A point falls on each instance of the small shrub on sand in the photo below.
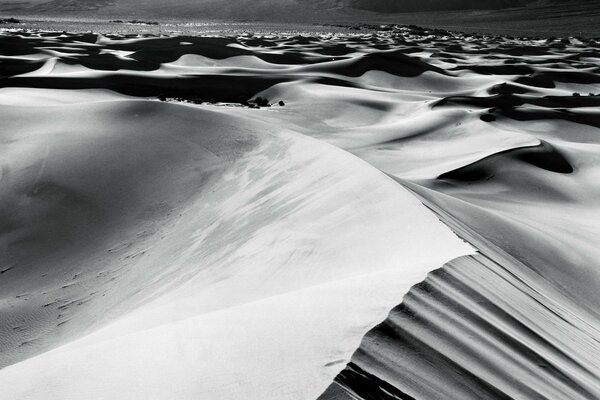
(262, 102)
(9, 21)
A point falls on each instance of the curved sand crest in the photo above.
(526, 308)
(511, 169)
(466, 332)
(509, 161)
(204, 242)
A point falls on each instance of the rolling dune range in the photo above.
(148, 202)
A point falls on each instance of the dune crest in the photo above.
(202, 231)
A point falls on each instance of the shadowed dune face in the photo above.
(543, 156)
(433, 344)
(498, 136)
(399, 53)
(83, 198)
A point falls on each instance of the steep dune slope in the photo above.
(85, 201)
(186, 240)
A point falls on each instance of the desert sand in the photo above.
(188, 217)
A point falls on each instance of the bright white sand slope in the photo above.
(210, 256)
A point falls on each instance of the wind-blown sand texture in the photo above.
(164, 237)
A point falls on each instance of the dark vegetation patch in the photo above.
(135, 22)
(220, 88)
(256, 102)
(9, 21)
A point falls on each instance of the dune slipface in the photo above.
(195, 217)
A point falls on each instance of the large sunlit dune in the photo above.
(189, 239)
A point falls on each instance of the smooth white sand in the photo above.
(267, 270)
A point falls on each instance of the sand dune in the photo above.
(243, 233)
(159, 218)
